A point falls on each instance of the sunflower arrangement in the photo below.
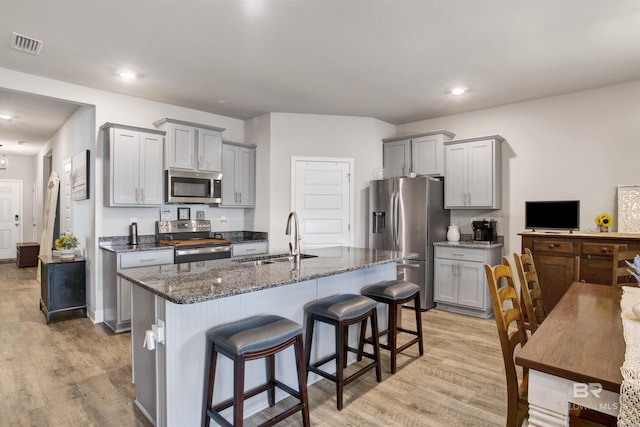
(66, 241)
(604, 221)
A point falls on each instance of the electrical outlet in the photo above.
(133, 219)
(223, 219)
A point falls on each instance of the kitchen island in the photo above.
(183, 301)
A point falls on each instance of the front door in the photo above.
(322, 198)
(10, 217)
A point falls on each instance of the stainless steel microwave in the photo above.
(193, 187)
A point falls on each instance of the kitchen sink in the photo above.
(286, 258)
(271, 259)
(259, 261)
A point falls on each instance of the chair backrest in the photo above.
(620, 269)
(505, 318)
(530, 291)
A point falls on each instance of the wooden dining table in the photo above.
(574, 357)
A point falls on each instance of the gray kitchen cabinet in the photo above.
(238, 174)
(473, 177)
(249, 248)
(133, 166)
(192, 146)
(460, 283)
(117, 292)
(421, 154)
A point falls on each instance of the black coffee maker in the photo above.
(485, 230)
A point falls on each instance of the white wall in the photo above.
(115, 108)
(312, 135)
(578, 146)
(21, 169)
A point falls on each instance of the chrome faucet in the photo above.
(294, 251)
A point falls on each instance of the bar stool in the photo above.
(250, 339)
(394, 293)
(342, 311)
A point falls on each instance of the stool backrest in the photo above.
(620, 270)
(530, 291)
(506, 317)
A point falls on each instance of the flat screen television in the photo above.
(552, 215)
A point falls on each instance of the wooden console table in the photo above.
(62, 285)
(555, 254)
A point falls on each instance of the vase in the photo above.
(603, 228)
(67, 254)
(453, 234)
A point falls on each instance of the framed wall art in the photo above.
(80, 175)
(629, 208)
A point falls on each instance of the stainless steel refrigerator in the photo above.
(407, 214)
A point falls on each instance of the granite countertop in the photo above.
(125, 247)
(206, 280)
(119, 244)
(470, 244)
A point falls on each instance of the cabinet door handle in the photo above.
(142, 195)
(136, 196)
(240, 196)
(604, 250)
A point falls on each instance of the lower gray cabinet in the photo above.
(460, 283)
(249, 248)
(117, 292)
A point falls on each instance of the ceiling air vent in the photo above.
(26, 44)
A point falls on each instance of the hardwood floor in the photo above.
(75, 373)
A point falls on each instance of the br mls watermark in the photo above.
(591, 392)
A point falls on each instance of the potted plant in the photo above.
(67, 244)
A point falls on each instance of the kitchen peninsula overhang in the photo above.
(207, 280)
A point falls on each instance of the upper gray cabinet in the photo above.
(421, 154)
(473, 173)
(133, 166)
(192, 146)
(238, 174)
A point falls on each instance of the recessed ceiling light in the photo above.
(222, 101)
(458, 90)
(127, 75)
(6, 116)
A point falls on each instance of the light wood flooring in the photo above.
(75, 373)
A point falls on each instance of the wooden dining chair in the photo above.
(620, 270)
(506, 317)
(530, 291)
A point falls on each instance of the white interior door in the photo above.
(10, 217)
(322, 198)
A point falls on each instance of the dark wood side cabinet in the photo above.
(62, 285)
(27, 254)
(555, 257)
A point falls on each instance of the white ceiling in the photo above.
(393, 60)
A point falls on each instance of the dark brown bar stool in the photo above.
(394, 293)
(341, 311)
(250, 339)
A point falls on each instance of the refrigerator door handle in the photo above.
(393, 219)
(396, 219)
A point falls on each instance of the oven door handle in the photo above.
(198, 251)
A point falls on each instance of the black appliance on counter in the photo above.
(191, 240)
(484, 230)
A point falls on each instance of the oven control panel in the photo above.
(181, 226)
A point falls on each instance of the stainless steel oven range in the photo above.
(191, 240)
